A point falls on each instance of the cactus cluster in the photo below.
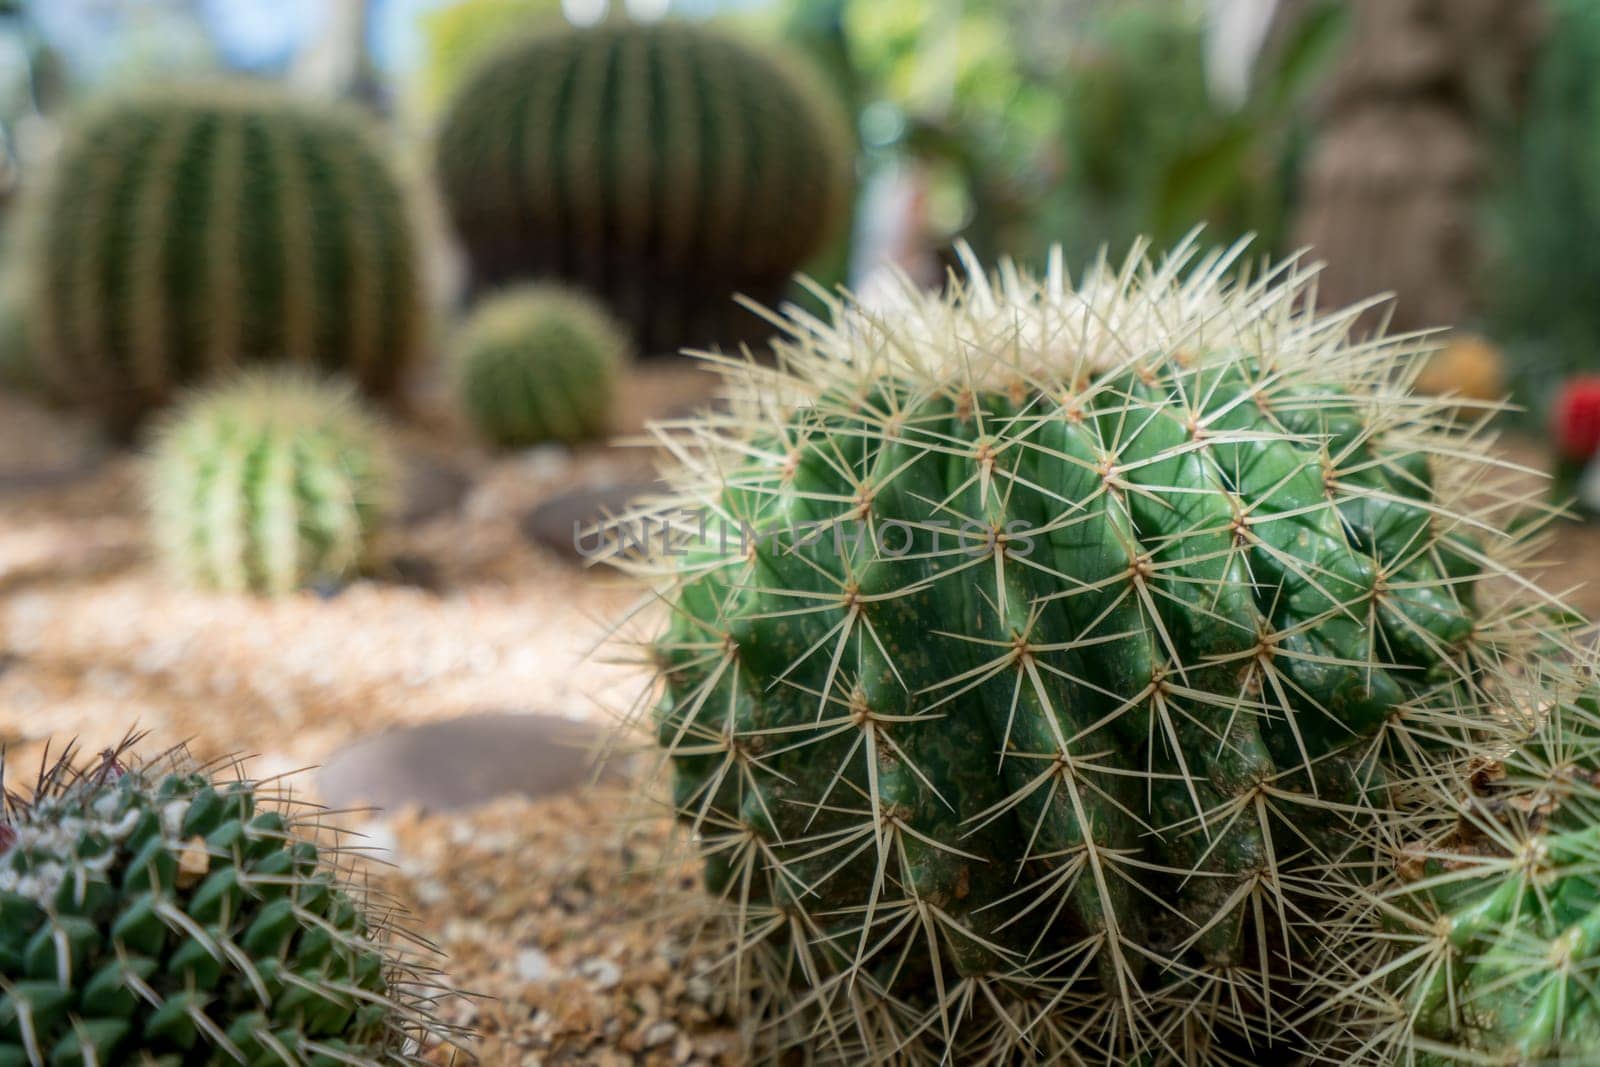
(269, 483)
(538, 363)
(152, 913)
(1047, 661)
(189, 230)
(663, 167)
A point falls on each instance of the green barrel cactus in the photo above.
(271, 483)
(1044, 660)
(154, 915)
(186, 231)
(538, 364)
(664, 167)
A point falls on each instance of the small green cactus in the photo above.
(189, 230)
(664, 167)
(540, 364)
(268, 484)
(1045, 660)
(152, 914)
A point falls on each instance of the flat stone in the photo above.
(559, 522)
(462, 762)
(432, 487)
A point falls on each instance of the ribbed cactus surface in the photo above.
(155, 916)
(268, 484)
(188, 231)
(664, 167)
(538, 364)
(1042, 660)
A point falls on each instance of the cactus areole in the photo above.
(1038, 653)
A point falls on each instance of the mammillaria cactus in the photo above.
(189, 230)
(540, 364)
(665, 167)
(156, 915)
(1043, 659)
(268, 484)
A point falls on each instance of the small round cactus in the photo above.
(189, 230)
(540, 364)
(153, 914)
(268, 484)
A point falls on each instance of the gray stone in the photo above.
(463, 762)
(432, 487)
(556, 522)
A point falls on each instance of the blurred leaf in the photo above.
(1200, 175)
(1305, 56)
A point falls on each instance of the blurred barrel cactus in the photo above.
(189, 230)
(538, 363)
(155, 915)
(1046, 662)
(268, 484)
(664, 167)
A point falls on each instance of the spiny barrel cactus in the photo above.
(1043, 659)
(155, 915)
(187, 231)
(540, 364)
(268, 484)
(665, 167)
(1484, 946)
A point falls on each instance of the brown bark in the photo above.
(1390, 198)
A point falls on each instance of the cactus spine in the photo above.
(1052, 654)
(153, 915)
(268, 484)
(540, 364)
(663, 167)
(187, 231)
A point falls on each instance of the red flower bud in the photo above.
(1576, 417)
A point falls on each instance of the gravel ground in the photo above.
(557, 924)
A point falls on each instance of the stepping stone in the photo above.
(463, 762)
(431, 487)
(558, 522)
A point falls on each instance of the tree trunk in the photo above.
(1390, 199)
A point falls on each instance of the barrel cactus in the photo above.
(156, 915)
(540, 364)
(1045, 660)
(186, 231)
(268, 484)
(664, 167)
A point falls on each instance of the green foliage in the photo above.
(268, 484)
(540, 364)
(1055, 658)
(154, 915)
(1545, 268)
(458, 35)
(187, 231)
(18, 369)
(663, 167)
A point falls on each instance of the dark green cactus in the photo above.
(187, 231)
(540, 364)
(663, 167)
(153, 915)
(268, 484)
(1043, 661)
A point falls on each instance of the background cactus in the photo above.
(664, 167)
(1051, 656)
(540, 364)
(186, 231)
(268, 484)
(155, 915)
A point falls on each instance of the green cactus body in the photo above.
(187, 231)
(268, 484)
(154, 916)
(664, 167)
(540, 364)
(1050, 654)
